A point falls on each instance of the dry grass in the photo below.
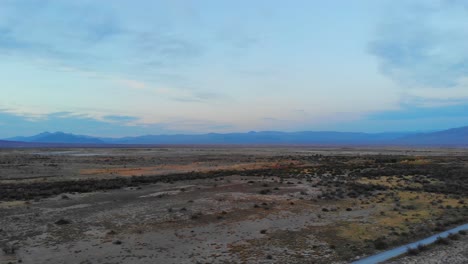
(356, 231)
(181, 168)
(10, 204)
(417, 161)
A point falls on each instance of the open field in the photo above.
(225, 205)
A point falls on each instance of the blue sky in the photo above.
(115, 68)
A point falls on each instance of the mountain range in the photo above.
(451, 137)
(58, 137)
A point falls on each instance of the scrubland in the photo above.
(225, 204)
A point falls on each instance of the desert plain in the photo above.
(229, 204)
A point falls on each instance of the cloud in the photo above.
(89, 35)
(136, 47)
(237, 41)
(14, 124)
(411, 112)
(197, 126)
(173, 93)
(121, 119)
(133, 84)
(196, 96)
(162, 49)
(423, 43)
(54, 29)
(24, 125)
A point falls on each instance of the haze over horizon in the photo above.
(123, 68)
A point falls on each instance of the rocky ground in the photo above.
(455, 253)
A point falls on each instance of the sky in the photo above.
(126, 68)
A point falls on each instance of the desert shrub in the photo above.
(9, 249)
(380, 244)
(442, 241)
(412, 251)
(421, 247)
(196, 216)
(453, 236)
(63, 222)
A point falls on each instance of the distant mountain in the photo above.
(265, 137)
(59, 137)
(12, 144)
(450, 137)
(20, 144)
